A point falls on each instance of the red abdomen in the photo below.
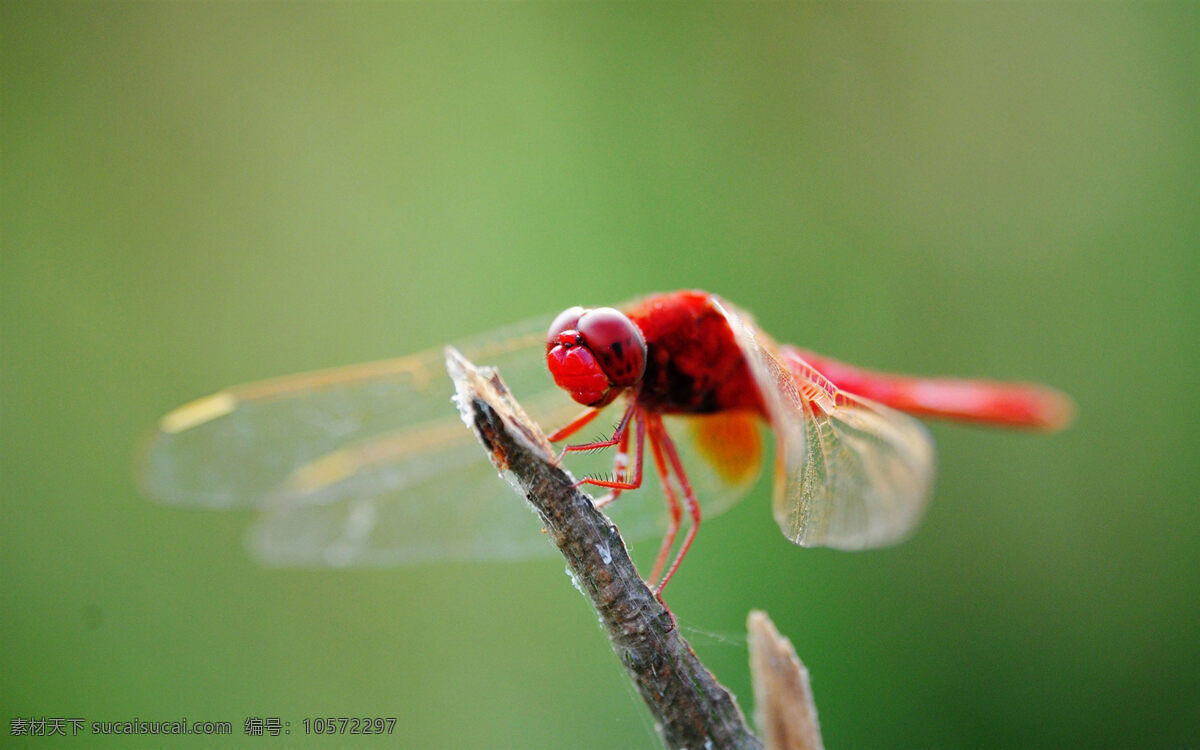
(693, 362)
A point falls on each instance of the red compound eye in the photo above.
(616, 342)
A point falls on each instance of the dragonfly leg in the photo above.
(620, 480)
(574, 426)
(622, 426)
(674, 509)
(659, 435)
(620, 469)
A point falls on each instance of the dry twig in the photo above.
(691, 709)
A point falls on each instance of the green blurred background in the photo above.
(196, 195)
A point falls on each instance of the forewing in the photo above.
(234, 448)
(849, 473)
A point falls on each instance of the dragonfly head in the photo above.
(595, 354)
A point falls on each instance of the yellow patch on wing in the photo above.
(731, 442)
(198, 412)
(412, 367)
(342, 464)
(325, 471)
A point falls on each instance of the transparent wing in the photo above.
(371, 465)
(390, 505)
(233, 448)
(850, 473)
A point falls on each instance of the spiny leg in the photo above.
(619, 438)
(574, 426)
(621, 465)
(637, 416)
(674, 509)
(658, 434)
(622, 426)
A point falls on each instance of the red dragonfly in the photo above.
(366, 465)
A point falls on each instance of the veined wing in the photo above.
(234, 448)
(850, 473)
(383, 503)
(371, 465)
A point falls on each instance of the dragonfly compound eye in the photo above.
(616, 343)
